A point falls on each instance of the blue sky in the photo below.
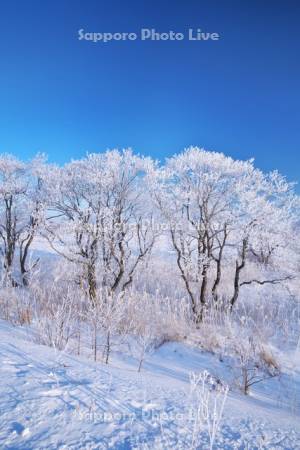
(239, 95)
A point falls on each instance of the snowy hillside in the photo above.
(55, 400)
(148, 306)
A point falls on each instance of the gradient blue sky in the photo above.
(240, 95)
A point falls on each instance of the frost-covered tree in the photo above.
(221, 212)
(21, 211)
(96, 218)
(262, 239)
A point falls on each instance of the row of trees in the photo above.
(225, 223)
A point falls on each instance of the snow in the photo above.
(56, 400)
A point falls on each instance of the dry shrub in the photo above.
(16, 306)
(268, 358)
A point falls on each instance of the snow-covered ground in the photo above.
(55, 400)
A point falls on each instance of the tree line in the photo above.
(223, 223)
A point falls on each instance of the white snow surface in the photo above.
(56, 400)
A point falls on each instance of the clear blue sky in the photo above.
(240, 95)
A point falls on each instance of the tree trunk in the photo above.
(218, 261)
(92, 285)
(238, 268)
(95, 342)
(107, 347)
